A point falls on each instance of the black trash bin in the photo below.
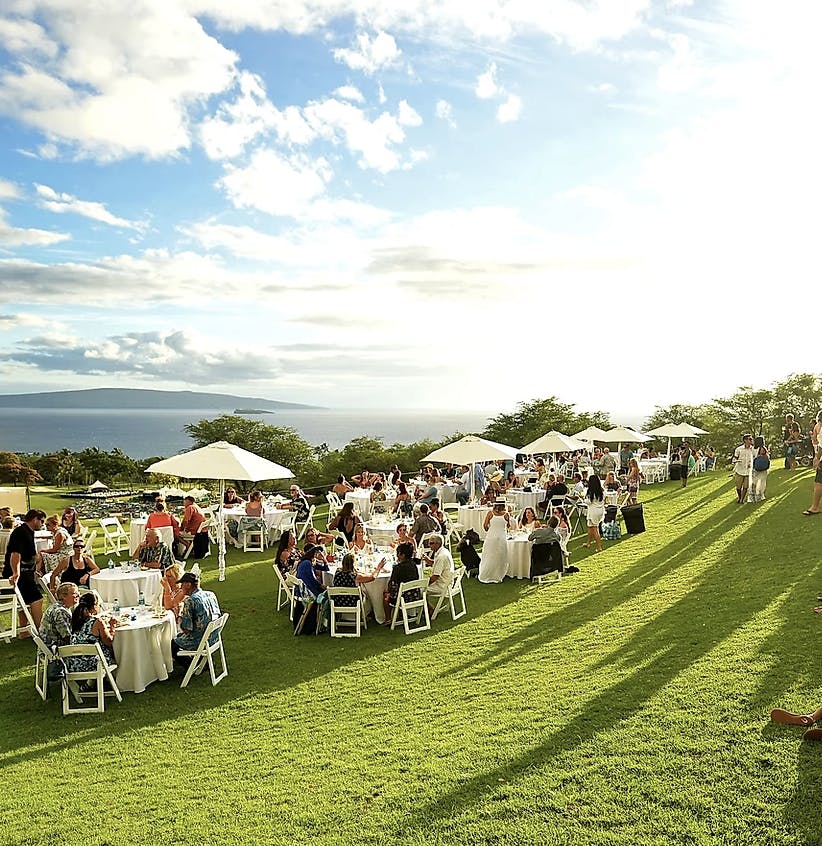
(634, 519)
(675, 472)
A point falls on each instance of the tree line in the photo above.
(760, 411)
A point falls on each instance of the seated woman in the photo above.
(511, 481)
(377, 492)
(347, 576)
(173, 594)
(231, 500)
(55, 627)
(362, 479)
(404, 536)
(308, 569)
(528, 521)
(161, 517)
(612, 484)
(405, 570)
(76, 570)
(287, 555)
(70, 521)
(342, 487)
(88, 627)
(346, 521)
(60, 548)
(403, 503)
(254, 506)
(360, 542)
(394, 476)
(317, 537)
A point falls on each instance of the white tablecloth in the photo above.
(143, 649)
(447, 492)
(371, 591)
(115, 584)
(525, 499)
(43, 540)
(519, 557)
(272, 517)
(473, 518)
(137, 531)
(383, 533)
(361, 496)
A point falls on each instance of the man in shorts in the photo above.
(817, 484)
(20, 562)
(743, 463)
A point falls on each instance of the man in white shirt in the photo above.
(743, 463)
(442, 573)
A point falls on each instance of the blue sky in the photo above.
(417, 204)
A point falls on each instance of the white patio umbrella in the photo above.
(676, 430)
(591, 434)
(470, 450)
(553, 442)
(222, 461)
(621, 434)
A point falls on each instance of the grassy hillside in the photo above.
(625, 705)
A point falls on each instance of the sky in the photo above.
(434, 204)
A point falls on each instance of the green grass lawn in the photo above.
(625, 705)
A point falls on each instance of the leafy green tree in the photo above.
(677, 413)
(280, 444)
(16, 470)
(535, 418)
(747, 410)
(800, 395)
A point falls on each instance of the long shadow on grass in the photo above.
(724, 599)
(632, 582)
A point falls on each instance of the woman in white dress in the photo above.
(596, 510)
(494, 559)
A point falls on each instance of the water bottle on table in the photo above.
(142, 600)
(116, 605)
(110, 564)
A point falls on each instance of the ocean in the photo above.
(147, 432)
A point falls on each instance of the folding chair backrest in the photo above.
(44, 584)
(25, 609)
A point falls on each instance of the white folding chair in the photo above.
(382, 506)
(334, 505)
(447, 598)
(297, 590)
(88, 540)
(285, 591)
(286, 523)
(309, 521)
(44, 584)
(346, 615)
(195, 568)
(253, 535)
(102, 671)
(45, 654)
(30, 626)
(412, 610)
(204, 654)
(8, 604)
(114, 535)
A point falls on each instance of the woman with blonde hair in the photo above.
(60, 549)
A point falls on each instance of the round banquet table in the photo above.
(383, 534)
(272, 517)
(137, 531)
(519, 556)
(114, 584)
(473, 517)
(526, 499)
(447, 492)
(362, 497)
(142, 648)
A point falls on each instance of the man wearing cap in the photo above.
(153, 553)
(743, 464)
(200, 607)
(20, 561)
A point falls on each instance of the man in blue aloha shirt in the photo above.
(199, 608)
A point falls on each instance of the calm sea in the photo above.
(145, 433)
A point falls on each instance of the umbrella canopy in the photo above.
(220, 460)
(677, 430)
(471, 449)
(592, 433)
(621, 434)
(553, 442)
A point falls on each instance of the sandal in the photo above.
(808, 513)
(788, 718)
(812, 734)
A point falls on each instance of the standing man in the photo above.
(193, 518)
(199, 608)
(20, 561)
(743, 465)
(684, 458)
(790, 439)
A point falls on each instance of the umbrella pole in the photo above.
(669, 450)
(221, 533)
(473, 471)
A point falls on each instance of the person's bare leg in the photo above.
(817, 498)
(598, 539)
(780, 715)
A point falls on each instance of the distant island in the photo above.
(125, 398)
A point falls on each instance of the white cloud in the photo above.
(61, 203)
(370, 54)
(9, 191)
(510, 110)
(445, 111)
(127, 93)
(350, 92)
(407, 116)
(24, 37)
(12, 236)
(276, 184)
(18, 321)
(487, 87)
(603, 88)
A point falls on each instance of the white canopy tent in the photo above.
(97, 487)
(470, 450)
(220, 460)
